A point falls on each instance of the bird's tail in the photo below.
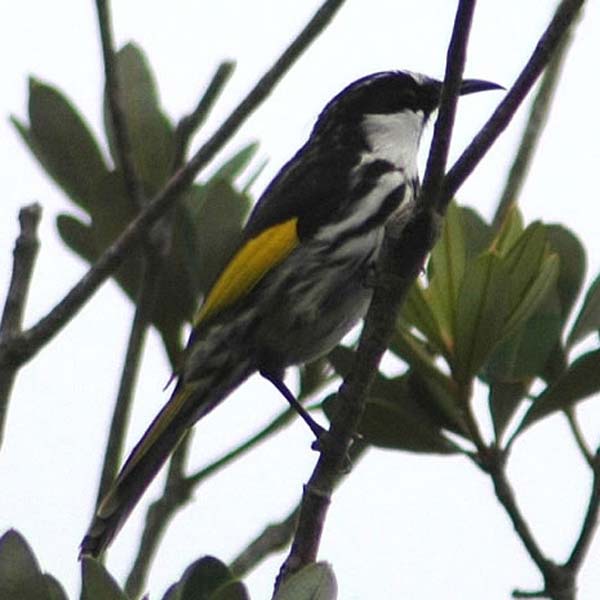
(188, 403)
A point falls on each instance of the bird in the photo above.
(298, 281)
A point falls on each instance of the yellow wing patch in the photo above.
(249, 265)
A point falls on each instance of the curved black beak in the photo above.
(471, 86)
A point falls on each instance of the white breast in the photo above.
(395, 137)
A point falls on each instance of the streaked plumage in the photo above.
(298, 281)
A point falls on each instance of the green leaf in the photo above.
(203, 578)
(233, 167)
(55, 590)
(478, 234)
(579, 381)
(482, 309)
(78, 236)
(97, 582)
(418, 311)
(588, 319)
(62, 143)
(447, 266)
(510, 231)
(235, 590)
(20, 575)
(218, 212)
(150, 132)
(572, 265)
(504, 399)
(314, 582)
(394, 415)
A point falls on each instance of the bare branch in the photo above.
(29, 342)
(564, 16)
(189, 124)
(24, 255)
(402, 257)
(538, 115)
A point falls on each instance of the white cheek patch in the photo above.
(395, 137)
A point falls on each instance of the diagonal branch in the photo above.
(29, 342)
(24, 255)
(402, 257)
(565, 15)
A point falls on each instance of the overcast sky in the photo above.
(403, 525)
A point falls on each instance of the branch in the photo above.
(189, 124)
(29, 342)
(538, 115)
(115, 104)
(565, 15)
(403, 255)
(24, 255)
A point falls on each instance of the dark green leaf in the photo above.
(97, 582)
(394, 415)
(510, 231)
(20, 575)
(203, 578)
(218, 212)
(447, 266)
(234, 590)
(482, 310)
(63, 143)
(478, 234)
(588, 319)
(78, 236)
(229, 170)
(580, 380)
(572, 265)
(150, 132)
(314, 582)
(55, 590)
(504, 399)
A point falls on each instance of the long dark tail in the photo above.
(187, 404)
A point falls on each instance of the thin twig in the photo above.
(24, 255)
(131, 365)
(401, 260)
(277, 536)
(590, 523)
(440, 145)
(579, 438)
(538, 115)
(564, 16)
(29, 342)
(189, 124)
(124, 150)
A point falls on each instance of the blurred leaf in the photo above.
(580, 380)
(150, 132)
(394, 416)
(20, 575)
(588, 319)
(203, 578)
(446, 268)
(417, 311)
(232, 168)
(482, 309)
(55, 590)
(504, 399)
(97, 582)
(218, 212)
(478, 234)
(234, 590)
(572, 265)
(510, 231)
(78, 236)
(314, 582)
(62, 142)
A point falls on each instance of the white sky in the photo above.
(402, 525)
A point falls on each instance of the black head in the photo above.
(390, 92)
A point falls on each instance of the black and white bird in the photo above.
(297, 282)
